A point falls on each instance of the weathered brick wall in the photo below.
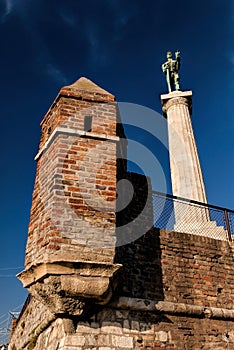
(197, 270)
(179, 267)
(71, 106)
(136, 215)
(65, 214)
(142, 267)
(192, 278)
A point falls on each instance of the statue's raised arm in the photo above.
(171, 69)
(177, 56)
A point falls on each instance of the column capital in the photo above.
(176, 98)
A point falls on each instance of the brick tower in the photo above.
(71, 238)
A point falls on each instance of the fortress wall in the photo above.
(177, 293)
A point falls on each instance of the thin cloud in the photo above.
(68, 19)
(98, 52)
(56, 74)
(9, 7)
(99, 49)
(122, 16)
(67, 14)
(14, 6)
(44, 58)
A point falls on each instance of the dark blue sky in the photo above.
(120, 45)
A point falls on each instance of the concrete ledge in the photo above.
(178, 93)
(82, 268)
(74, 132)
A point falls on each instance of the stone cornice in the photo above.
(69, 287)
(176, 98)
(175, 101)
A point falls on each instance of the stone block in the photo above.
(162, 336)
(122, 314)
(83, 328)
(75, 340)
(135, 326)
(104, 339)
(91, 339)
(111, 327)
(126, 326)
(146, 328)
(122, 341)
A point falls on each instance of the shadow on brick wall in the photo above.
(138, 244)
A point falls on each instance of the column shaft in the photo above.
(186, 175)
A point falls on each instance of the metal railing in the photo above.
(189, 216)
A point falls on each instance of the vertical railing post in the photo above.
(228, 225)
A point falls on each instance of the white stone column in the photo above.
(186, 174)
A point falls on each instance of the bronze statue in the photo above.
(171, 69)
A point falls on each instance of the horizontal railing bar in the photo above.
(191, 201)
